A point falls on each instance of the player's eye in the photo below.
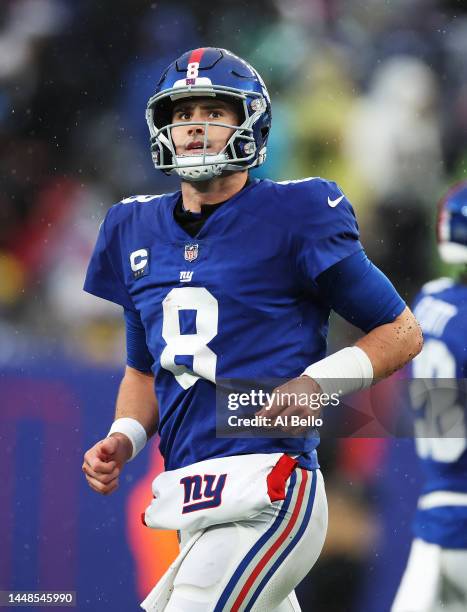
(215, 114)
(182, 115)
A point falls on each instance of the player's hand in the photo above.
(104, 461)
(290, 399)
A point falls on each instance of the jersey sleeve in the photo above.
(138, 354)
(327, 227)
(357, 290)
(104, 277)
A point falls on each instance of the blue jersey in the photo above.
(441, 518)
(239, 301)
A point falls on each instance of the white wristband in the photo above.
(346, 371)
(132, 430)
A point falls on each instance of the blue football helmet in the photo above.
(452, 225)
(210, 72)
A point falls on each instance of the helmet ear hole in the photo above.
(264, 132)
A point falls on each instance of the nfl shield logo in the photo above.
(191, 252)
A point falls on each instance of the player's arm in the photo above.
(363, 295)
(390, 346)
(136, 400)
(137, 406)
(357, 290)
(136, 414)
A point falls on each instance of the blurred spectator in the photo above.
(393, 140)
(393, 133)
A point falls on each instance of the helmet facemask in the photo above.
(240, 151)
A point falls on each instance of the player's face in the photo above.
(189, 139)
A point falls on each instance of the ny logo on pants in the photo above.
(202, 492)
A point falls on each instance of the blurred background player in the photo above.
(233, 278)
(436, 574)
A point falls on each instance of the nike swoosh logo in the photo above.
(333, 203)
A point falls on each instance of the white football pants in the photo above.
(249, 565)
(431, 572)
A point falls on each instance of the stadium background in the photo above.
(372, 94)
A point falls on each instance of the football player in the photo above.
(436, 573)
(233, 278)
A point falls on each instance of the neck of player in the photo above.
(214, 191)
